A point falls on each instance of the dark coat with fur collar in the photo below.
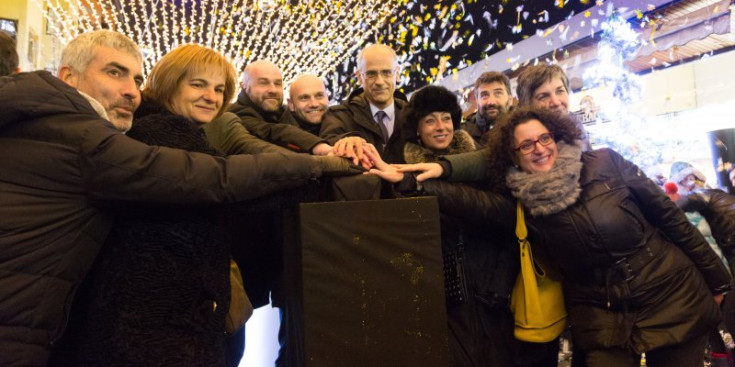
(481, 328)
(158, 293)
(461, 143)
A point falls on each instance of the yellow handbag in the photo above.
(537, 301)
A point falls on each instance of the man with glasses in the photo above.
(371, 113)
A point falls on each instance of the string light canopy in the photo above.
(312, 36)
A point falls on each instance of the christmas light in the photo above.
(300, 37)
(620, 129)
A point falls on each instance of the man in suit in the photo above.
(372, 113)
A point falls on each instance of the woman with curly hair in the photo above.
(637, 276)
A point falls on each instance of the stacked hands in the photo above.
(364, 155)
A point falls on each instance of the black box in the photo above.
(364, 284)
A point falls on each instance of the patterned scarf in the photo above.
(549, 192)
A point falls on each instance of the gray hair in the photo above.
(80, 51)
(361, 55)
(535, 76)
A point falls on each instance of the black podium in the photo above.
(364, 284)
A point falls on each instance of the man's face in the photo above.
(113, 78)
(552, 96)
(265, 87)
(492, 100)
(308, 99)
(377, 73)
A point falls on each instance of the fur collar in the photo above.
(549, 192)
(461, 143)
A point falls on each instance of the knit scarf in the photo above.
(545, 193)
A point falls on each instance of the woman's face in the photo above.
(199, 96)
(542, 157)
(436, 130)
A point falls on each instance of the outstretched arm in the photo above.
(468, 203)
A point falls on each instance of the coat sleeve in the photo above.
(669, 219)
(470, 166)
(227, 134)
(116, 167)
(282, 134)
(471, 204)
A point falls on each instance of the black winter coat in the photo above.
(159, 290)
(636, 273)
(472, 127)
(353, 117)
(62, 166)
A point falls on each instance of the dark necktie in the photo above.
(380, 117)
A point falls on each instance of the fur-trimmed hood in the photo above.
(462, 143)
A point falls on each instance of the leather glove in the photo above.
(337, 166)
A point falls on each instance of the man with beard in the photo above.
(371, 113)
(260, 107)
(492, 93)
(307, 103)
(256, 231)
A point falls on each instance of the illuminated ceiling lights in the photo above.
(298, 36)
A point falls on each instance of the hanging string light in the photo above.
(300, 37)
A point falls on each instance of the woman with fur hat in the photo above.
(432, 126)
(479, 269)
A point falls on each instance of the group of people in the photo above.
(128, 201)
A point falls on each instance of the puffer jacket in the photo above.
(718, 209)
(61, 165)
(636, 273)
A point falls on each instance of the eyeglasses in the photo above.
(528, 146)
(372, 74)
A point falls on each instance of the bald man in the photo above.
(372, 113)
(307, 103)
(260, 107)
